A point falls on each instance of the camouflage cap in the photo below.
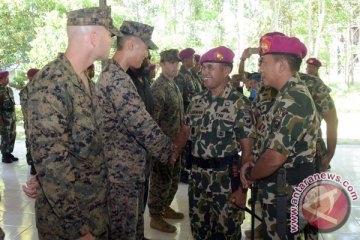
(140, 30)
(98, 16)
(171, 55)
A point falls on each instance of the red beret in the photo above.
(197, 58)
(219, 55)
(32, 72)
(186, 53)
(4, 74)
(282, 45)
(269, 34)
(314, 61)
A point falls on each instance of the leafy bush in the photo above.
(19, 81)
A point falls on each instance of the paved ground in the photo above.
(17, 211)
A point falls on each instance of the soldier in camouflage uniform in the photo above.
(64, 134)
(290, 132)
(23, 100)
(169, 114)
(185, 81)
(7, 119)
(326, 108)
(128, 132)
(188, 86)
(218, 122)
(324, 152)
(312, 67)
(196, 72)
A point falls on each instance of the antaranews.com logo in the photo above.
(323, 200)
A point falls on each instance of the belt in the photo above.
(213, 163)
(293, 175)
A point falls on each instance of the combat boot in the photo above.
(258, 232)
(171, 214)
(158, 223)
(6, 158)
(13, 158)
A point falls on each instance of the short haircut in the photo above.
(293, 61)
(120, 41)
(230, 65)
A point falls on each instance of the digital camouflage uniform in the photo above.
(217, 125)
(128, 134)
(169, 114)
(187, 85)
(66, 146)
(8, 117)
(198, 80)
(292, 124)
(23, 101)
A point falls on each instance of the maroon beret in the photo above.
(219, 55)
(282, 45)
(4, 74)
(32, 72)
(314, 61)
(269, 34)
(186, 53)
(92, 66)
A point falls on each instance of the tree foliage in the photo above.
(33, 31)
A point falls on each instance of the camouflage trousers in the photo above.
(126, 211)
(164, 182)
(269, 218)
(270, 211)
(50, 226)
(8, 132)
(29, 159)
(212, 216)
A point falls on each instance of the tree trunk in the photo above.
(321, 18)
(310, 25)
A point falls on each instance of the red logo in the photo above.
(326, 206)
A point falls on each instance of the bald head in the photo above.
(87, 44)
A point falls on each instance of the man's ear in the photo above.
(227, 70)
(93, 35)
(282, 65)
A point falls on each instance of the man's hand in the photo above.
(87, 236)
(174, 156)
(32, 187)
(246, 54)
(238, 197)
(246, 183)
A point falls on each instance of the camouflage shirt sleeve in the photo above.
(319, 92)
(48, 111)
(137, 120)
(294, 124)
(158, 95)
